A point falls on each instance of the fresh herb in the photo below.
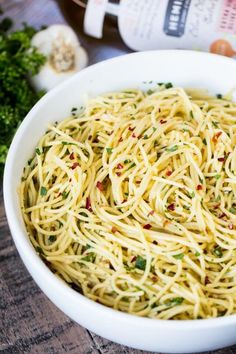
(145, 136)
(175, 301)
(140, 263)
(168, 85)
(186, 207)
(131, 166)
(219, 95)
(172, 149)
(38, 152)
(232, 210)
(46, 148)
(191, 114)
(197, 254)
(68, 143)
(179, 256)
(204, 141)
(215, 124)
(18, 61)
(217, 176)
(109, 150)
(154, 129)
(43, 191)
(30, 161)
(218, 251)
(52, 238)
(192, 195)
(82, 213)
(65, 194)
(127, 161)
(89, 258)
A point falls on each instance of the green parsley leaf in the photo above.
(90, 257)
(175, 301)
(43, 191)
(65, 194)
(38, 152)
(191, 114)
(197, 254)
(127, 161)
(232, 210)
(172, 149)
(219, 95)
(140, 263)
(39, 250)
(109, 150)
(68, 143)
(179, 256)
(52, 238)
(215, 124)
(204, 141)
(145, 136)
(131, 166)
(218, 251)
(154, 129)
(217, 176)
(168, 85)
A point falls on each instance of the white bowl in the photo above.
(184, 68)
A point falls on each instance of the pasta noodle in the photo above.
(132, 201)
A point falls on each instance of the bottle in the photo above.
(208, 25)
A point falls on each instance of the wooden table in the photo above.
(29, 322)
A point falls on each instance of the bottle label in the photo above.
(94, 17)
(208, 25)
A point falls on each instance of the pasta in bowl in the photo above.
(131, 200)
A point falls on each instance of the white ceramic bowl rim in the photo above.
(23, 245)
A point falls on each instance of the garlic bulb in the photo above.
(64, 54)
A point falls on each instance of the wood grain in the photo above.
(29, 322)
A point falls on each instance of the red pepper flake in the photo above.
(151, 212)
(221, 216)
(119, 166)
(75, 164)
(154, 278)
(199, 187)
(131, 129)
(114, 229)
(171, 207)
(88, 204)
(207, 281)
(138, 182)
(99, 185)
(133, 259)
(216, 136)
(221, 159)
(147, 227)
(134, 135)
(118, 174)
(124, 201)
(231, 226)
(217, 206)
(72, 156)
(162, 121)
(169, 173)
(120, 140)
(70, 180)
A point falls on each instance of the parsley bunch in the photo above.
(18, 61)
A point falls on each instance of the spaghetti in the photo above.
(132, 201)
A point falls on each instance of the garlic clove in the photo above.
(64, 54)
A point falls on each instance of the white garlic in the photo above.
(64, 54)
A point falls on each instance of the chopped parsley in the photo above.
(68, 143)
(65, 194)
(39, 250)
(131, 166)
(191, 114)
(43, 191)
(109, 150)
(218, 251)
(52, 238)
(89, 258)
(175, 301)
(38, 152)
(215, 124)
(168, 85)
(127, 161)
(217, 176)
(204, 141)
(140, 263)
(197, 254)
(232, 210)
(172, 149)
(219, 95)
(179, 256)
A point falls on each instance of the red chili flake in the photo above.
(155, 242)
(217, 206)
(221, 159)
(70, 180)
(171, 207)
(118, 174)
(134, 135)
(131, 129)
(169, 173)
(58, 195)
(207, 281)
(151, 212)
(216, 136)
(231, 226)
(162, 121)
(114, 229)
(138, 182)
(99, 185)
(72, 156)
(88, 204)
(221, 216)
(133, 259)
(199, 187)
(119, 166)
(120, 140)
(124, 201)
(75, 164)
(154, 278)
(147, 227)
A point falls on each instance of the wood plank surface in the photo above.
(29, 322)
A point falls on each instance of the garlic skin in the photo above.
(64, 54)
